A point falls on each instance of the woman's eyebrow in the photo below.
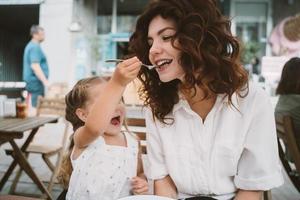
(162, 30)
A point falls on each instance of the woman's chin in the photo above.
(166, 79)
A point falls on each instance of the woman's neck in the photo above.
(199, 103)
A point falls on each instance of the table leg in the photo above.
(7, 174)
(18, 155)
(14, 163)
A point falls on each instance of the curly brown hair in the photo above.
(75, 99)
(210, 55)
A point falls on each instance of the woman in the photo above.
(208, 133)
(289, 91)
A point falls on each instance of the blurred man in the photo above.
(35, 66)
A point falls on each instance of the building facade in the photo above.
(82, 34)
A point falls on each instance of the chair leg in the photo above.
(13, 186)
(48, 162)
(267, 195)
(56, 169)
(53, 168)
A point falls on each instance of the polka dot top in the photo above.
(104, 171)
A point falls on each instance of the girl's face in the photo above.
(117, 117)
(162, 53)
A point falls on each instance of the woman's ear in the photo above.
(81, 114)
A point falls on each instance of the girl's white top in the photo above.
(233, 148)
(104, 171)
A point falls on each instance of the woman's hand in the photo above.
(139, 185)
(126, 71)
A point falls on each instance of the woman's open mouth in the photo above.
(116, 120)
(162, 64)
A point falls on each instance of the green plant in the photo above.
(249, 51)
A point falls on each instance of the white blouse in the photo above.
(104, 171)
(233, 148)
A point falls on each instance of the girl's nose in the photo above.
(120, 109)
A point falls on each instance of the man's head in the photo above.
(37, 33)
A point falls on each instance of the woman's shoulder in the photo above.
(249, 98)
(253, 92)
(148, 115)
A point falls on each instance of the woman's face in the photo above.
(162, 53)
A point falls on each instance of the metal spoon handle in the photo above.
(121, 60)
(114, 60)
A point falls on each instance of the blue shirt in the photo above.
(34, 54)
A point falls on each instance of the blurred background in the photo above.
(81, 34)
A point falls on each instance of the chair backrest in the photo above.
(286, 133)
(51, 106)
(57, 90)
(138, 127)
(54, 106)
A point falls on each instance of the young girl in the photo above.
(106, 161)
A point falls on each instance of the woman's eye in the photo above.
(165, 38)
(150, 43)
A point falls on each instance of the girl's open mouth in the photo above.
(116, 120)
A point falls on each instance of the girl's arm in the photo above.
(165, 187)
(248, 195)
(102, 110)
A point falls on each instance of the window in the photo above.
(252, 25)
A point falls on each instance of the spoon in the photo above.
(120, 60)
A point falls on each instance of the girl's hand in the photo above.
(139, 185)
(126, 71)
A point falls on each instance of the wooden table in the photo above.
(14, 128)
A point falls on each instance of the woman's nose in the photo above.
(155, 49)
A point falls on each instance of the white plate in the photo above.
(145, 197)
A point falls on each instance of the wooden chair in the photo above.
(138, 127)
(267, 195)
(287, 141)
(48, 106)
(57, 90)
